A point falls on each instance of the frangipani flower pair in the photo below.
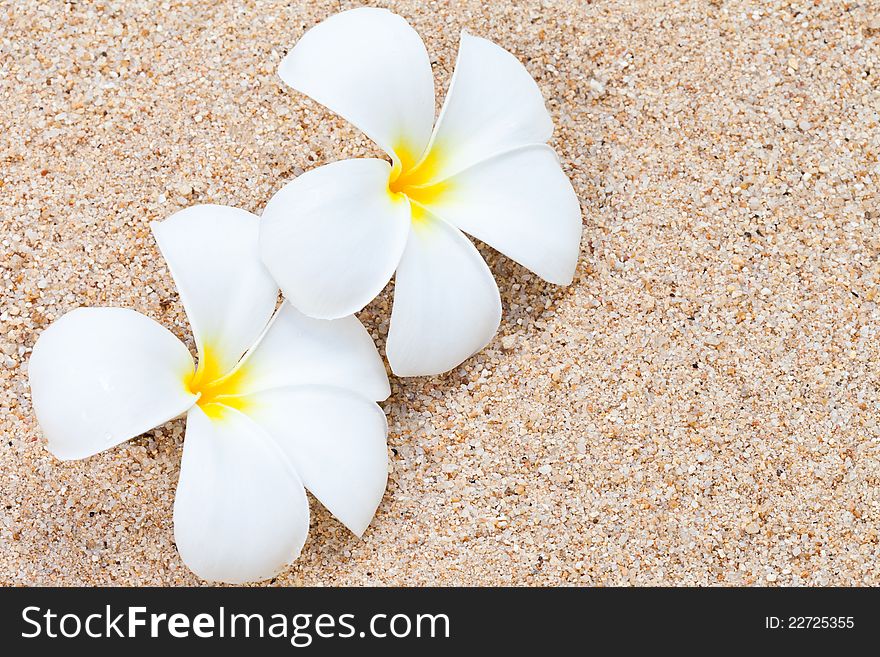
(284, 400)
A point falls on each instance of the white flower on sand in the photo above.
(334, 236)
(278, 402)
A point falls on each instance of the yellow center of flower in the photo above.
(414, 178)
(217, 390)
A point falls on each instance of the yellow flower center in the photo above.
(217, 390)
(414, 178)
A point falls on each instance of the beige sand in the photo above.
(699, 407)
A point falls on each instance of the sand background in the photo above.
(699, 407)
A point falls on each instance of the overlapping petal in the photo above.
(493, 106)
(100, 376)
(446, 303)
(298, 350)
(333, 236)
(241, 512)
(308, 384)
(213, 254)
(522, 204)
(370, 67)
(335, 440)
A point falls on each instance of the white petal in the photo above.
(241, 513)
(299, 350)
(336, 441)
(213, 254)
(446, 303)
(370, 67)
(100, 376)
(522, 204)
(333, 237)
(493, 105)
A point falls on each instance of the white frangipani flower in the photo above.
(334, 236)
(279, 402)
